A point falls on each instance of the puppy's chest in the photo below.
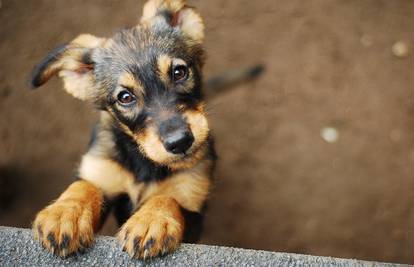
(114, 180)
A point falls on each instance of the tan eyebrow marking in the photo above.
(164, 63)
(178, 61)
(129, 81)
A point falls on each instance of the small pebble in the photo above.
(366, 40)
(400, 49)
(329, 134)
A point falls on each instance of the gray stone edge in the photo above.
(18, 248)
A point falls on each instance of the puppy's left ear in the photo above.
(73, 63)
(177, 14)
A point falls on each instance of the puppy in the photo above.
(151, 156)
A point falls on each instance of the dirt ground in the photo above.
(280, 186)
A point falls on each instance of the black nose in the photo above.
(179, 141)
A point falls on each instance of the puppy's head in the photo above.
(147, 77)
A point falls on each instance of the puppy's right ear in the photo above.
(73, 63)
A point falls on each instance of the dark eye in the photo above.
(125, 97)
(179, 73)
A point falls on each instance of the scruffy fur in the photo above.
(157, 194)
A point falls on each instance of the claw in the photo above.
(39, 231)
(65, 241)
(146, 252)
(150, 243)
(64, 253)
(52, 240)
(137, 242)
(134, 254)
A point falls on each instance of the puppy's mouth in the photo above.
(187, 154)
(188, 159)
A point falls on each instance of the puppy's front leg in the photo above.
(156, 228)
(67, 225)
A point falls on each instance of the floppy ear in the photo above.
(72, 62)
(177, 14)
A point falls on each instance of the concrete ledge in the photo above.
(18, 248)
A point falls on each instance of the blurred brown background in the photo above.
(280, 185)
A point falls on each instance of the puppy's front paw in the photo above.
(64, 227)
(154, 230)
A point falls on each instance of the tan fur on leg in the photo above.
(157, 228)
(67, 225)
